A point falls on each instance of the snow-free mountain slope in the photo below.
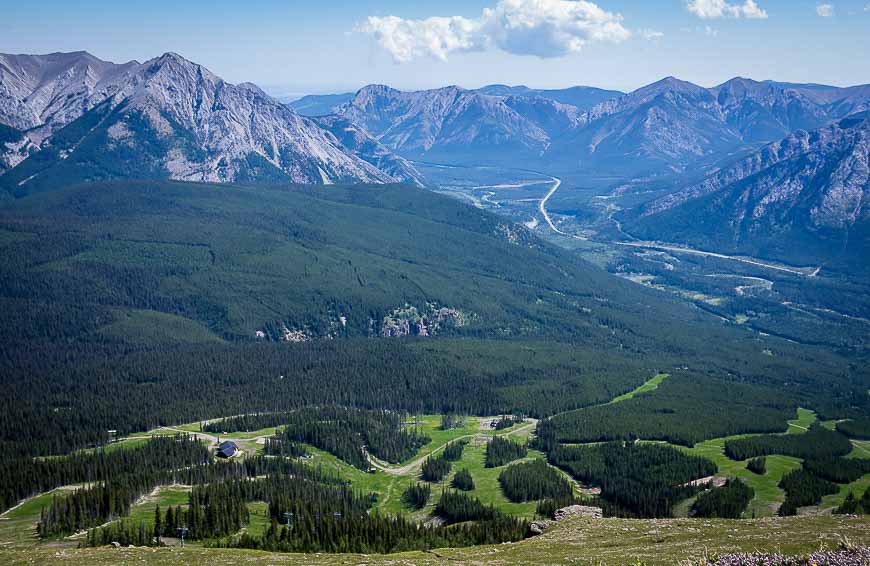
(169, 118)
(803, 198)
(49, 91)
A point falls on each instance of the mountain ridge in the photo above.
(803, 196)
(171, 117)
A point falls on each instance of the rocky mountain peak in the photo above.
(179, 119)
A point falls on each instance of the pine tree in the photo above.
(158, 524)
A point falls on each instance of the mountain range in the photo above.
(168, 117)
(670, 126)
(582, 97)
(760, 163)
(72, 116)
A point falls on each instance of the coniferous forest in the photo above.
(500, 451)
(126, 306)
(726, 502)
(417, 495)
(531, 481)
(818, 442)
(802, 488)
(636, 480)
(435, 468)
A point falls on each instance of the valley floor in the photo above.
(808, 304)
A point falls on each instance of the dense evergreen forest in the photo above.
(683, 410)
(453, 450)
(323, 516)
(416, 496)
(757, 465)
(141, 465)
(113, 481)
(458, 507)
(501, 451)
(532, 481)
(462, 480)
(818, 442)
(636, 480)
(802, 488)
(435, 468)
(129, 305)
(838, 470)
(726, 502)
(856, 428)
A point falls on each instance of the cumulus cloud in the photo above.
(712, 9)
(436, 37)
(545, 28)
(825, 10)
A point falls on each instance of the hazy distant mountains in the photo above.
(73, 117)
(582, 97)
(320, 104)
(666, 127)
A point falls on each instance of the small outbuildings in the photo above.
(227, 449)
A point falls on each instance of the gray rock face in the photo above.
(369, 149)
(175, 117)
(825, 172)
(802, 198)
(47, 92)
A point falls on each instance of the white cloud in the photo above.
(545, 28)
(436, 37)
(711, 31)
(826, 10)
(712, 9)
(867, 8)
(650, 34)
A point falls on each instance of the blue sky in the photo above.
(301, 46)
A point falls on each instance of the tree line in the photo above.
(148, 463)
(684, 409)
(531, 481)
(855, 428)
(501, 451)
(803, 488)
(636, 480)
(726, 502)
(817, 442)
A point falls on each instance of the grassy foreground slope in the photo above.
(573, 541)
